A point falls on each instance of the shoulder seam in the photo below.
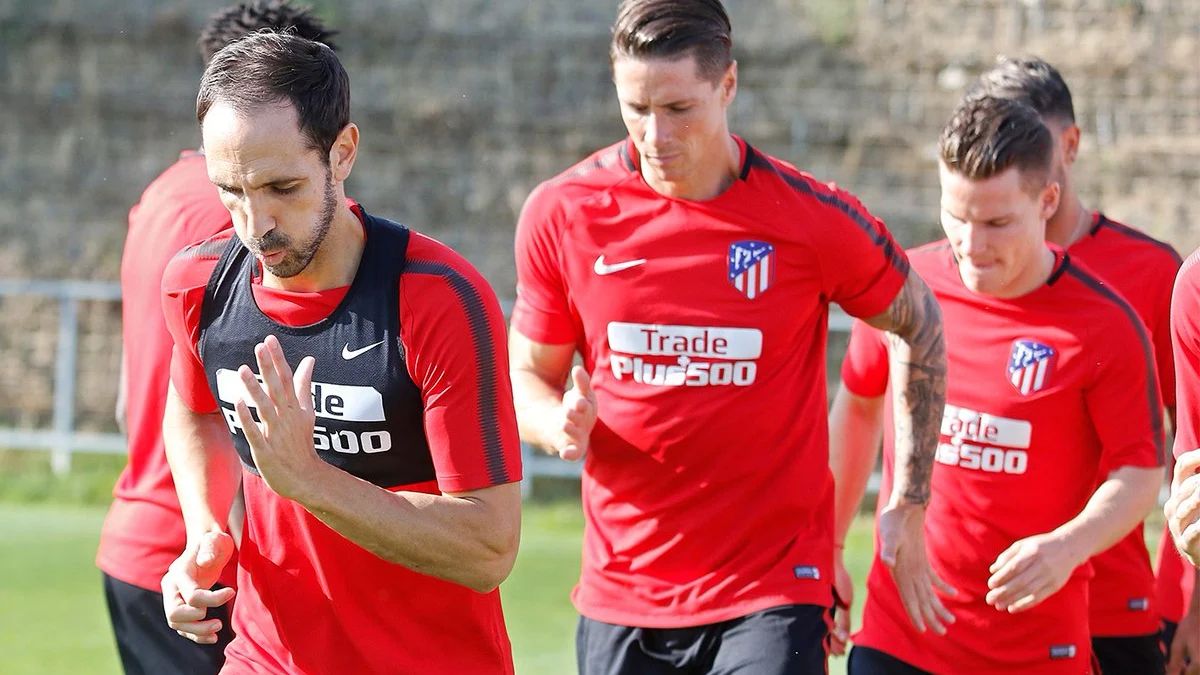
(800, 184)
(1152, 393)
(207, 249)
(1121, 228)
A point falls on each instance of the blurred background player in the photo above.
(694, 275)
(1183, 507)
(1051, 376)
(144, 530)
(1125, 608)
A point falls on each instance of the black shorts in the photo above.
(148, 646)
(1138, 655)
(1168, 636)
(867, 661)
(788, 640)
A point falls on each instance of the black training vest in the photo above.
(369, 413)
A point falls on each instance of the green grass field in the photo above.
(53, 621)
(52, 616)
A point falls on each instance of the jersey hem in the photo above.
(688, 619)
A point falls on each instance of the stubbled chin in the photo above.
(978, 282)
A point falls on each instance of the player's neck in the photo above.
(1070, 223)
(335, 262)
(712, 176)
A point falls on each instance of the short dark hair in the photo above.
(237, 21)
(989, 135)
(672, 29)
(1029, 80)
(266, 67)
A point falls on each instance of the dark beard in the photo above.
(298, 260)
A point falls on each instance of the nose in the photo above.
(973, 240)
(259, 220)
(657, 130)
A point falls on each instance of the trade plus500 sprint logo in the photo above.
(982, 442)
(684, 356)
(336, 402)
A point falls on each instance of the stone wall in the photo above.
(464, 105)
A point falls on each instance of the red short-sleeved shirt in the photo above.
(311, 601)
(1176, 576)
(1142, 268)
(1042, 390)
(703, 324)
(143, 532)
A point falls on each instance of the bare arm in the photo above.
(917, 365)
(539, 378)
(122, 395)
(204, 465)
(1115, 508)
(855, 436)
(555, 419)
(1034, 568)
(917, 345)
(468, 538)
(207, 475)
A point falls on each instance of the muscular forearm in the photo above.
(855, 434)
(917, 352)
(1115, 508)
(537, 403)
(204, 465)
(461, 539)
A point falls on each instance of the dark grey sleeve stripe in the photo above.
(890, 251)
(205, 249)
(486, 378)
(1152, 395)
(1141, 236)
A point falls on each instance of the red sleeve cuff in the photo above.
(548, 328)
(865, 368)
(877, 297)
(191, 383)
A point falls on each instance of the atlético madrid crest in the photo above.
(751, 267)
(1030, 365)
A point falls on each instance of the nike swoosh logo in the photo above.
(348, 354)
(603, 269)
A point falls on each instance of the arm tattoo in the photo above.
(917, 349)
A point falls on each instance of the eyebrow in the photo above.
(271, 183)
(668, 104)
(989, 221)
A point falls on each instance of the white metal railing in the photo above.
(62, 439)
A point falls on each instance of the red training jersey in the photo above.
(1121, 595)
(706, 489)
(311, 601)
(1185, 339)
(1042, 390)
(143, 532)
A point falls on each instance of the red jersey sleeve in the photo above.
(1163, 351)
(454, 339)
(1185, 341)
(183, 287)
(863, 268)
(1123, 400)
(865, 368)
(541, 313)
